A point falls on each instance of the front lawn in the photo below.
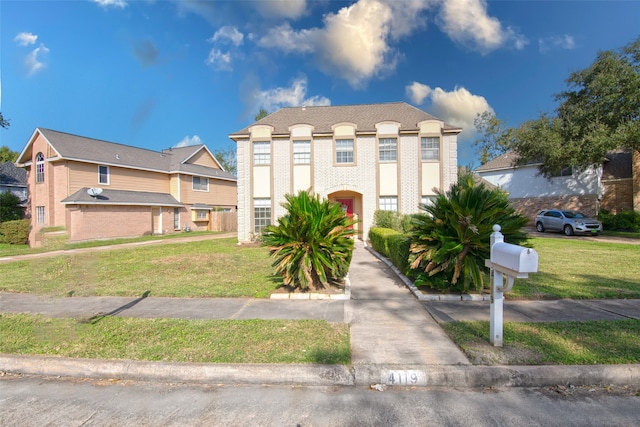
(207, 268)
(177, 340)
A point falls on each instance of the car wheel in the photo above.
(568, 230)
(540, 227)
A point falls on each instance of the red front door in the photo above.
(347, 206)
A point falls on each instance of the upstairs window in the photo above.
(200, 183)
(565, 171)
(430, 148)
(344, 150)
(39, 167)
(388, 149)
(103, 175)
(262, 153)
(302, 152)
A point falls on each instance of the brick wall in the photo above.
(636, 180)
(618, 195)
(108, 222)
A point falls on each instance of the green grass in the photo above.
(208, 268)
(625, 234)
(563, 343)
(571, 268)
(175, 340)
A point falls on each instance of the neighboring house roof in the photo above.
(12, 176)
(121, 197)
(80, 148)
(503, 161)
(364, 116)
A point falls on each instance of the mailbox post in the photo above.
(510, 262)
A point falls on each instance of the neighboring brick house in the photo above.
(366, 157)
(141, 191)
(14, 180)
(609, 186)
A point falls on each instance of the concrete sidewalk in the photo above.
(394, 340)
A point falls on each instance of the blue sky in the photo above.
(158, 73)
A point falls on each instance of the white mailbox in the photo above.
(514, 260)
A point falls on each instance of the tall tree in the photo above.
(599, 112)
(261, 114)
(494, 137)
(8, 155)
(3, 122)
(227, 158)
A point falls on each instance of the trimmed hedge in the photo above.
(15, 232)
(392, 245)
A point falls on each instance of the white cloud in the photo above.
(458, 107)
(290, 9)
(560, 42)
(468, 23)
(352, 44)
(292, 96)
(33, 60)
(219, 60)
(189, 140)
(228, 33)
(25, 39)
(121, 4)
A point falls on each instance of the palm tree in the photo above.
(311, 243)
(450, 240)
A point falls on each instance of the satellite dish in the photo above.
(93, 192)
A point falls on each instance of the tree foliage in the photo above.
(494, 137)
(8, 155)
(311, 243)
(599, 112)
(10, 208)
(228, 159)
(450, 240)
(4, 122)
(261, 114)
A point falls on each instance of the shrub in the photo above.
(10, 209)
(399, 251)
(15, 232)
(379, 238)
(311, 243)
(450, 241)
(392, 220)
(624, 221)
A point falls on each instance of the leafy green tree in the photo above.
(450, 240)
(228, 159)
(10, 209)
(3, 122)
(8, 155)
(311, 244)
(494, 137)
(599, 112)
(261, 114)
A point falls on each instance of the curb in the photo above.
(464, 376)
(317, 295)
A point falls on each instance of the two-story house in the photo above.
(367, 157)
(97, 189)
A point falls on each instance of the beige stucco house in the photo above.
(367, 157)
(97, 189)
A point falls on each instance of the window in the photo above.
(176, 218)
(302, 152)
(39, 167)
(200, 183)
(261, 153)
(344, 150)
(565, 171)
(261, 214)
(202, 214)
(430, 148)
(388, 149)
(40, 215)
(103, 175)
(389, 203)
(428, 200)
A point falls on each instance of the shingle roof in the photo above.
(12, 175)
(503, 161)
(365, 116)
(121, 197)
(92, 150)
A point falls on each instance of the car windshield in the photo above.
(572, 214)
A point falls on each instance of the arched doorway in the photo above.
(351, 202)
